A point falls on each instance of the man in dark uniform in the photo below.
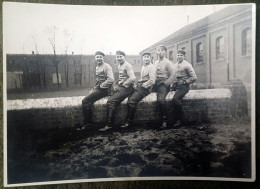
(165, 77)
(185, 75)
(102, 88)
(123, 89)
(143, 88)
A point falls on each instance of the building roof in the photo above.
(203, 23)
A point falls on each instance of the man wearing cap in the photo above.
(123, 89)
(165, 77)
(102, 88)
(143, 88)
(185, 75)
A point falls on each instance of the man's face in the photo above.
(146, 59)
(99, 59)
(120, 59)
(161, 52)
(180, 57)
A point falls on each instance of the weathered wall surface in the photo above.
(38, 71)
(208, 105)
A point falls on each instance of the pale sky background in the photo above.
(93, 28)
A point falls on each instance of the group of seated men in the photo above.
(160, 77)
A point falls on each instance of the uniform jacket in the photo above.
(148, 76)
(184, 72)
(104, 75)
(126, 74)
(165, 71)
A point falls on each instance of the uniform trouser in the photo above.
(181, 91)
(162, 91)
(87, 102)
(118, 96)
(139, 93)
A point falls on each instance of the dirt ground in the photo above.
(208, 150)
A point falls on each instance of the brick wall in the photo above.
(208, 105)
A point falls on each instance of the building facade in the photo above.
(218, 46)
(48, 71)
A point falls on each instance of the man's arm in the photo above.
(191, 73)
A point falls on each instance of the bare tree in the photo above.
(40, 61)
(67, 40)
(52, 39)
(27, 69)
(37, 60)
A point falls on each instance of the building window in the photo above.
(171, 55)
(134, 61)
(246, 41)
(54, 78)
(199, 52)
(220, 48)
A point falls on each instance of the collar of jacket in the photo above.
(160, 60)
(122, 63)
(100, 64)
(147, 64)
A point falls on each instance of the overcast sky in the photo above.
(92, 28)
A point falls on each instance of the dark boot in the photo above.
(110, 119)
(130, 117)
(87, 114)
(177, 113)
(164, 122)
(163, 115)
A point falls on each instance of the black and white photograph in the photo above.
(120, 93)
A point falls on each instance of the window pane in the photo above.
(199, 52)
(220, 47)
(246, 41)
(170, 55)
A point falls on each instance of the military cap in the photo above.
(120, 53)
(162, 46)
(181, 51)
(99, 53)
(148, 53)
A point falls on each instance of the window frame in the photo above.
(197, 51)
(220, 48)
(171, 56)
(245, 43)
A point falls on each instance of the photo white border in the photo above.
(253, 123)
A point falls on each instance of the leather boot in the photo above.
(177, 113)
(130, 117)
(110, 119)
(164, 122)
(87, 114)
(163, 116)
